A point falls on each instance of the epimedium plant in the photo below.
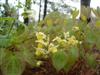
(16, 50)
(58, 49)
(65, 50)
(22, 45)
(87, 42)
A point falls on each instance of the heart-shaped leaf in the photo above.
(59, 60)
(12, 65)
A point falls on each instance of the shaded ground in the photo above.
(80, 68)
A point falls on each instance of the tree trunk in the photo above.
(45, 8)
(86, 4)
(28, 7)
(40, 11)
(6, 2)
(6, 7)
(26, 20)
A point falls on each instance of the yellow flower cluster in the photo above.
(40, 40)
(67, 41)
(44, 46)
(60, 41)
(40, 35)
(72, 41)
(42, 43)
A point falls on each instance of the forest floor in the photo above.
(80, 68)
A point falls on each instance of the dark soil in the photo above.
(80, 68)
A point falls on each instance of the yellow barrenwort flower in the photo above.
(72, 41)
(52, 48)
(39, 63)
(75, 28)
(63, 42)
(39, 52)
(40, 45)
(80, 42)
(42, 42)
(66, 35)
(40, 35)
(58, 39)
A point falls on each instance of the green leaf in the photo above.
(67, 67)
(4, 41)
(72, 55)
(7, 18)
(27, 56)
(19, 5)
(12, 65)
(71, 58)
(25, 14)
(2, 55)
(91, 61)
(59, 60)
(20, 29)
(90, 36)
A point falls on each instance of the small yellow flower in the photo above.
(40, 45)
(39, 52)
(58, 39)
(40, 35)
(63, 42)
(39, 63)
(75, 28)
(72, 41)
(41, 42)
(80, 42)
(66, 35)
(52, 48)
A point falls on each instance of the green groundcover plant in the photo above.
(63, 41)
